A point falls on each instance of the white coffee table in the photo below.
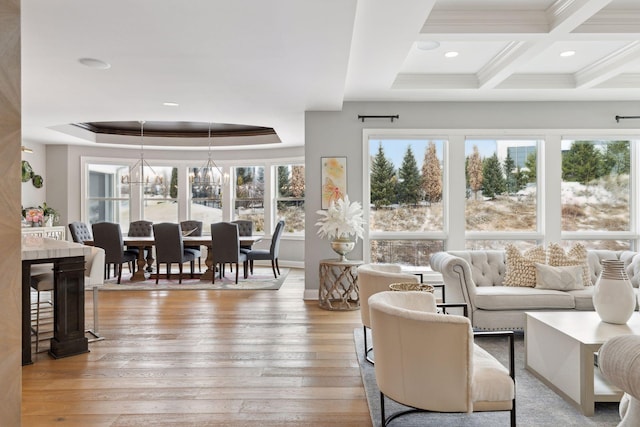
(559, 349)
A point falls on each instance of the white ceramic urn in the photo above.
(613, 296)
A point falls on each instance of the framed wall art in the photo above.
(334, 179)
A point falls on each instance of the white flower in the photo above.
(342, 219)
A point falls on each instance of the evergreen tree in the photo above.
(509, 175)
(283, 181)
(493, 182)
(173, 186)
(617, 158)
(431, 175)
(297, 181)
(531, 163)
(582, 163)
(410, 181)
(382, 180)
(474, 171)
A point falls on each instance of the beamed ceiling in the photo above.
(264, 63)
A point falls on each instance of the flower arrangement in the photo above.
(341, 220)
(35, 216)
(49, 212)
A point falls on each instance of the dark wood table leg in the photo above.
(26, 313)
(68, 302)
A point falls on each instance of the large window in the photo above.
(207, 186)
(249, 195)
(425, 194)
(160, 194)
(406, 199)
(106, 199)
(290, 197)
(501, 189)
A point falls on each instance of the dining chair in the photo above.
(271, 254)
(140, 228)
(170, 249)
(193, 228)
(79, 232)
(108, 236)
(225, 248)
(245, 228)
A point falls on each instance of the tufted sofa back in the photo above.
(488, 267)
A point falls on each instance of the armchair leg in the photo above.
(367, 349)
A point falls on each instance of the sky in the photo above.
(395, 149)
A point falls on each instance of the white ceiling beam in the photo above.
(608, 67)
(382, 29)
(486, 22)
(612, 21)
(563, 17)
(410, 81)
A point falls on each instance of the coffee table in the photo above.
(559, 350)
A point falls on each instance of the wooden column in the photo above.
(10, 202)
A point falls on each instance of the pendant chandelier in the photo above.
(209, 177)
(136, 175)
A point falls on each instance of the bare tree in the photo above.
(431, 175)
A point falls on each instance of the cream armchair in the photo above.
(429, 361)
(374, 278)
(619, 361)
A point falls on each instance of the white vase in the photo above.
(342, 246)
(613, 296)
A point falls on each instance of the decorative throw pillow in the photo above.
(577, 255)
(567, 278)
(521, 268)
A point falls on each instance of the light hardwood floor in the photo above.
(205, 358)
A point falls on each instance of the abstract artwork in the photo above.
(334, 179)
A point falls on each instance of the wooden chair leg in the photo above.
(180, 271)
(237, 273)
(273, 267)
(277, 266)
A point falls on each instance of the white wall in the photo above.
(340, 134)
(32, 196)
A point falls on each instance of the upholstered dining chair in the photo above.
(245, 228)
(429, 361)
(170, 249)
(108, 236)
(271, 254)
(225, 248)
(79, 232)
(374, 278)
(140, 228)
(194, 228)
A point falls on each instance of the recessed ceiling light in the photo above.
(567, 53)
(94, 63)
(451, 54)
(170, 104)
(427, 45)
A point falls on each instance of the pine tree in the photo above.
(617, 158)
(382, 180)
(532, 166)
(410, 181)
(283, 181)
(474, 171)
(297, 181)
(173, 186)
(431, 175)
(582, 163)
(509, 175)
(493, 181)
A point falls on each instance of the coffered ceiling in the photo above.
(264, 63)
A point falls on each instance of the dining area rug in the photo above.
(536, 404)
(261, 279)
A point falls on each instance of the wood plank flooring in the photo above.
(204, 358)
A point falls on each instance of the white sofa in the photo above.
(476, 278)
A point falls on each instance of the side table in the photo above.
(339, 284)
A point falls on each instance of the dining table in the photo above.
(141, 274)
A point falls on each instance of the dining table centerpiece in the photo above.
(342, 224)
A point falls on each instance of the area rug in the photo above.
(536, 404)
(262, 279)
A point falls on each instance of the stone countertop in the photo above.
(34, 248)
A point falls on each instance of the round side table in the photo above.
(339, 284)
